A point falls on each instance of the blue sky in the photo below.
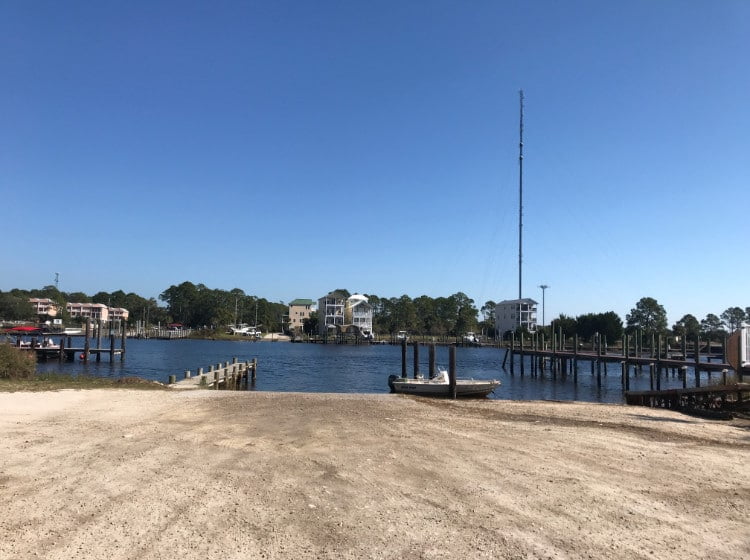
(289, 148)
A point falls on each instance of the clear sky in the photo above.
(289, 148)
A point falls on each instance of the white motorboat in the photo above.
(439, 386)
(245, 330)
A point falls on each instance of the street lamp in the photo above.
(543, 287)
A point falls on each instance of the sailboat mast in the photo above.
(520, 199)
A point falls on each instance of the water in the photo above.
(334, 368)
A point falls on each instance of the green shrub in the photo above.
(16, 363)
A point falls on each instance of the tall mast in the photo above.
(520, 199)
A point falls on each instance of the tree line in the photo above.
(192, 305)
(650, 318)
(197, 306)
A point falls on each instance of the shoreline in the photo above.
(214, 474)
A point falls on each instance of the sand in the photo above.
(116, 474)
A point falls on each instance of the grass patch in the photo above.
(18, 373)
(16, 363)
(58, 381)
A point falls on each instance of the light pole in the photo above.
(543, 287)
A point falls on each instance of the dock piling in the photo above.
(452, 372)
(416, 359)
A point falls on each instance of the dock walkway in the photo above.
(227, 375)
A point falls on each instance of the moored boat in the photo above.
(439, 386)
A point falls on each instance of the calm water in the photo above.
(353, 369)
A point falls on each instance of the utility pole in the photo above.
(520, 209)
(520, 197)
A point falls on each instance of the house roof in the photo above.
(517, 301)
(335, 294)
(301, 302)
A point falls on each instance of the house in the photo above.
(511, 314)
(358, 313)
(44, 306)
(331, 312)
(118, 313)
(299, 310)
(338, 313)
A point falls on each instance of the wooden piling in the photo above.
(658, 376)
(553, 359)
(416, 359)
(698, 360)
(255, 368)
(452, 372)
(87, 341)
(658, 359)
(123, 338)
(98, 324)
(403, 358)
(432, 361)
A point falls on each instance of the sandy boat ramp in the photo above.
(126, 474)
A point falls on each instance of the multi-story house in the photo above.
(331, 312)
(513, 313)
(337, 313)
(44, 307)
(359, 313)
(118, 313)
(299, 310)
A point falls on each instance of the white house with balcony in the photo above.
(359, 314)
(511, 314)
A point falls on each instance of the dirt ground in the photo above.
(116, 474)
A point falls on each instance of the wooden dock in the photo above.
(234, 375)
(658, 358)
(65, 351)
(720, 401)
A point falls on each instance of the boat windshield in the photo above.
(441, 377)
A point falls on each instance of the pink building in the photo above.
(44, 306)
(97, 311)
